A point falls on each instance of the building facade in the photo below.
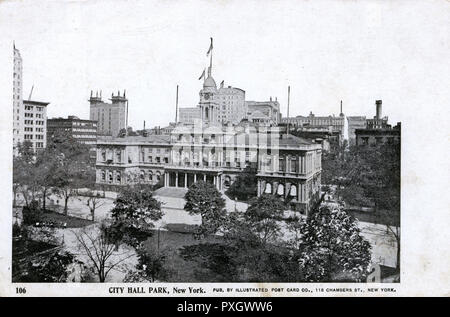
(378, 131)
(84, 131)
(35, 123)
(17, 100)
(337, 124)
(264, 112)
(189, 115)
(327, 138)
(287, 166)
(232, 105)
(355, 122)
(111, 117)
(131, 160)
(379, 136)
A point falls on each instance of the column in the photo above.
(259, 188)
(204, 177)
(185, 179)
(299, 189)
(176, 179)
(195, 177)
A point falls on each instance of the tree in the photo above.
(203, 199)
(243, 257)
(262, 216)
(72, 167)
(151, 267)
(134, 212)
(245, 185)
(94, 201)
(24, 179)
(46, 164)
(331, 247)
(96, 243)
(46, 269)
(372, 179)
(32, 213)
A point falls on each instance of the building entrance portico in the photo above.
(184, 178)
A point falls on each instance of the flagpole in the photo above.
(288, 119)
(176, 108)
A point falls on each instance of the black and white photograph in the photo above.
(229, 148)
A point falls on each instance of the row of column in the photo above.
(196, 176)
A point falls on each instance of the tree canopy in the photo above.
(203, 199)
(244, 186)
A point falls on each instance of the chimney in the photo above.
(378, 105)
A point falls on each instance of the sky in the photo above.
(327, 51)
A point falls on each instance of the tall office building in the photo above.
(29, 116)
(17, 100)
(111, 117)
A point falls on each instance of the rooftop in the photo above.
(36, 103)
(151, 138)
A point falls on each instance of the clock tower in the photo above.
(209, 106)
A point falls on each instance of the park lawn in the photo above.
(172, 242)
(58, 219)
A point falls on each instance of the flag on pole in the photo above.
(202, 75)
(210, 47)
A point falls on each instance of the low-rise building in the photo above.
(378, 136)
(377, 130)
(132, 159)
(287, 166)
(336, 123)
(327, 138)
(82, 130)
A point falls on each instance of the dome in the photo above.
(209, 83)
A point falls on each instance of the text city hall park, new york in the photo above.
(201, 290)
(231, 191)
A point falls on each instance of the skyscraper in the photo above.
(111, 117)
(17, 100)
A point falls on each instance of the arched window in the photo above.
(142, 176)
(158, 176)
(280, 190)
(150, 176)
(103, 175)
(268, 189)
(293, 191)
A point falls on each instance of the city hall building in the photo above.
(209, 150)
(285, 165)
